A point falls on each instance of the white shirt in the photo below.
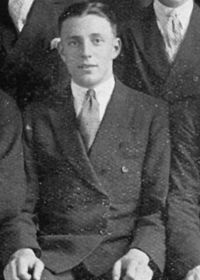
(19, 12)
(183, 13)
(103, 94)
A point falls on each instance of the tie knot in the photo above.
(91, 93)
(175, 19)
(173, 15)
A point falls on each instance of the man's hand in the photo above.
(23, 265)
(193, 274)
(133, 266)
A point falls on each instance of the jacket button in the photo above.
(124, 169)
(195, 78)
(105, 203)
(102, 232)
(170, 92)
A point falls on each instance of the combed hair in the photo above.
(89, 8)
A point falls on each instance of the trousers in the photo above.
(77, 273)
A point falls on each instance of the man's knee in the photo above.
(48, 275)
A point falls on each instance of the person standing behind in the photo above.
(160, 53)
(161, 57)
(97, 159)
(30, 64)
(184, 196)
(12, 175)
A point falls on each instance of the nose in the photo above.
(86, 49)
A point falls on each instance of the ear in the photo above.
(61, 51)
(117, 45)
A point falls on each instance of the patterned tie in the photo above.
(89, 119)
(15, 8)
(173, 35)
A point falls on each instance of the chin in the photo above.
(88, 83)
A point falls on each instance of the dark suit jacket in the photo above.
(29, 68)
(146, 68)
(94, 208)
(12, 177)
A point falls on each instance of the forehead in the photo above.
(171, 2)
(86, 25)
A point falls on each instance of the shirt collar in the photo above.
(103, 94)
(183, 12)
(102, 90)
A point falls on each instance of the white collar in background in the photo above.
(19, 12)
(103, 95)
(183, 12)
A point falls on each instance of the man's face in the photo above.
(173, 3)
(88, 47)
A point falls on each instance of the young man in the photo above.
(97, 161)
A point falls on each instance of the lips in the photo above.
(87, 66)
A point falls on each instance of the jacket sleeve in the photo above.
(150, 230)
(183, 226)
(20, 231)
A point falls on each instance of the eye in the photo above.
(97, 41)
(72, 43)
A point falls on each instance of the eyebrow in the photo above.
(73, 37)
(78, 37)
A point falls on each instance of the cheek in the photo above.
(71, 54)
(71, 60)
(106, 54)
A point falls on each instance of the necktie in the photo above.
(15, 11)
(173, 35)
(89, 118)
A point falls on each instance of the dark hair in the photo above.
(89, 8)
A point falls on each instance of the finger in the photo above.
(117, 270)
(38, 269)
(143, 272)
(23, 268)
(130, 273)
(193, 277)
(10, 271)
(149, 273)
(7, 273)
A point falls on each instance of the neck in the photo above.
(172, 3)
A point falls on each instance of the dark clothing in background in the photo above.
(29, 68)
(143, 65)
(184, 196)
(12, 177)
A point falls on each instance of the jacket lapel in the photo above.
(150, 42)
(190, 45)
(70, 140)
(113, 128)
(186, 59)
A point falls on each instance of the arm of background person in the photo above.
(183, 202)
(20, 231)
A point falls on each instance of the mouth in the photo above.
(87, 66)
